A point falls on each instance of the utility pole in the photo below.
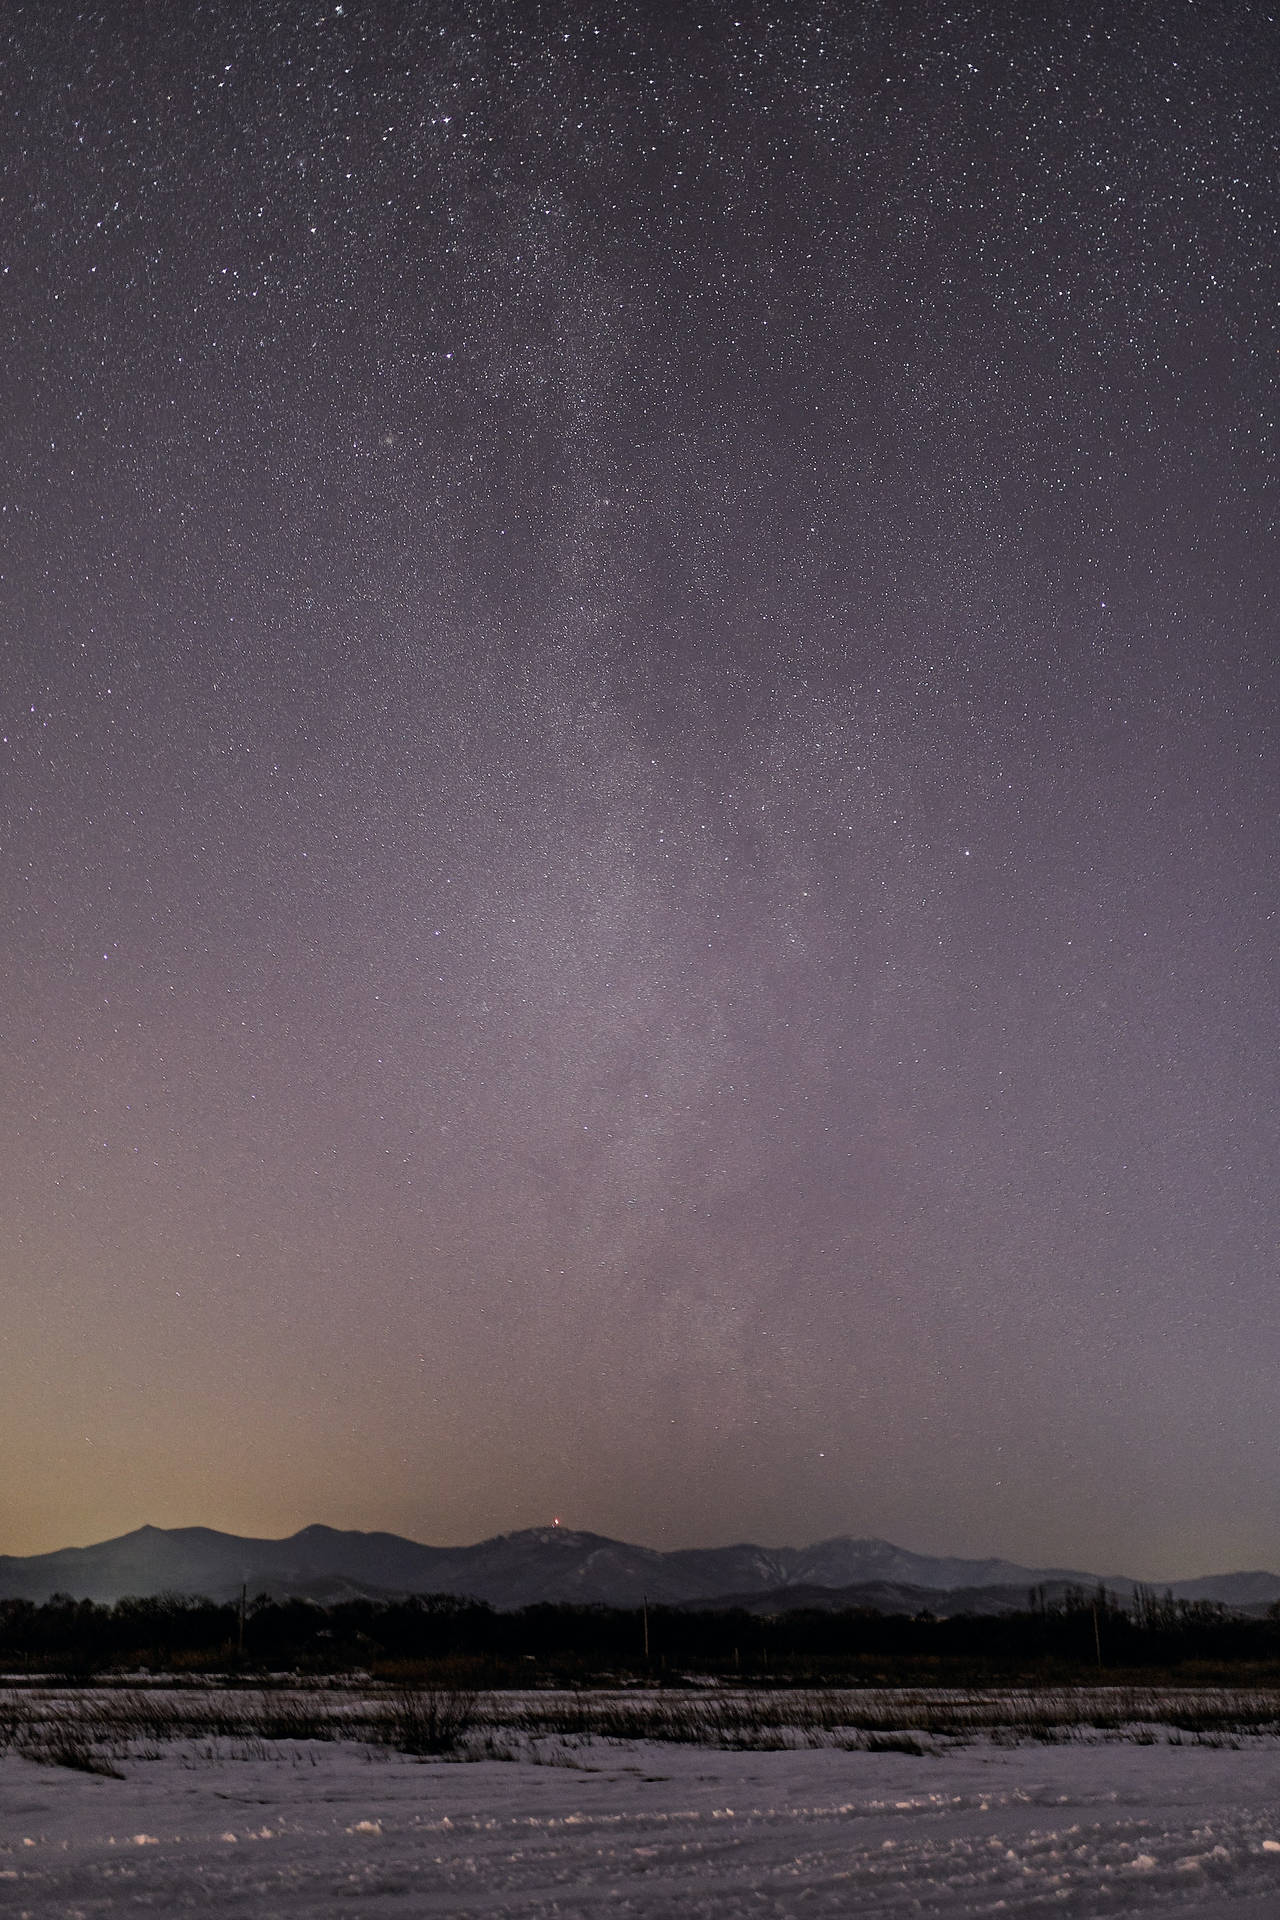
(240, 1642)
(644, 1615)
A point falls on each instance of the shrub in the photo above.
(425, 1720)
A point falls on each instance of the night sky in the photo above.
(639, 862)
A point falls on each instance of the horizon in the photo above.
(640, 754)
(1052, 1564)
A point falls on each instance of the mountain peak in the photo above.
(557, 1536)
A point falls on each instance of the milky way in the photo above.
(640, 773)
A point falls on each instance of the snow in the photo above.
(312, 1830)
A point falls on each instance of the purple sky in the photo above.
(639, 774)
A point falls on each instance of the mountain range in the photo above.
(556, 1564)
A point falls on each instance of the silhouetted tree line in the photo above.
(1073, 1635)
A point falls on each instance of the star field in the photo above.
(638, 786)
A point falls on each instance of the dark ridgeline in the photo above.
(561, 1566)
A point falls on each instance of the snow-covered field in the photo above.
(316, 1829)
